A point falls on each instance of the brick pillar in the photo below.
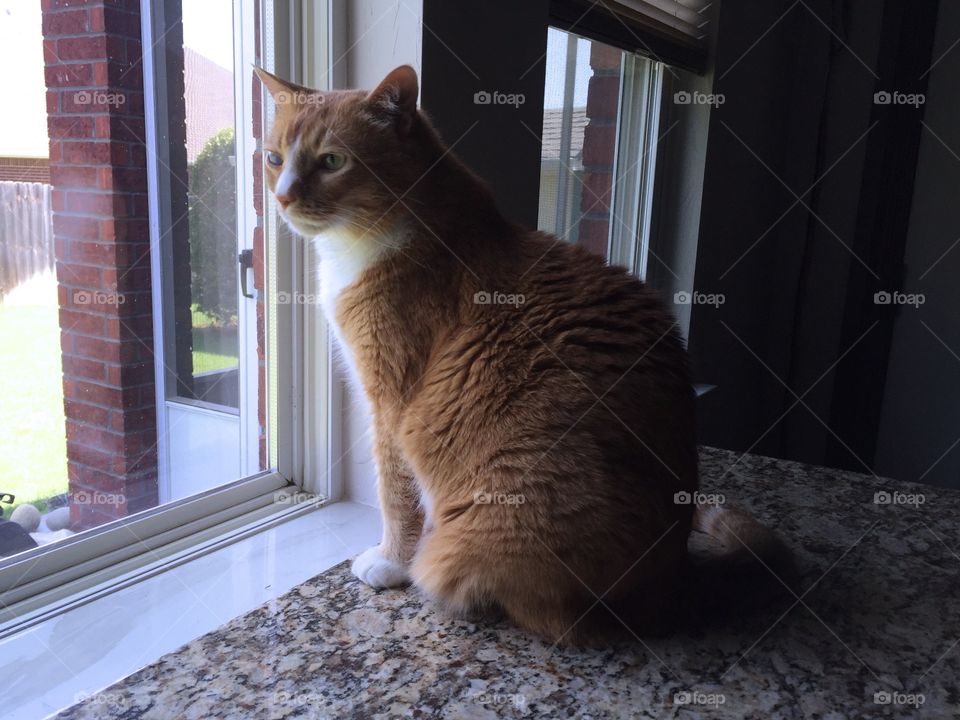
(98, 172)
(599, 143)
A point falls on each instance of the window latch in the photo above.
(246, 263)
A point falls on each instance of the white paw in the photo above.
(378, 572)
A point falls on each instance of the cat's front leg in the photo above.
(387, 564)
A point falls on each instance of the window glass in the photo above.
(97, 292)
(581, 109)
(205, 284)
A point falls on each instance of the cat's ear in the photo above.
(285, 94)
(395, 99)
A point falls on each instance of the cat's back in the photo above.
(548, 325)
(593, 312)
(559, 269)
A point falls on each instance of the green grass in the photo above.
(200, 319)
(214, 348)
(214, 343)
(33, 446)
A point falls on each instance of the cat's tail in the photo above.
(737, 563)
(735, 538)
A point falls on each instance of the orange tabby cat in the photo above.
(532, 406)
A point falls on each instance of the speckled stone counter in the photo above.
(874, 634)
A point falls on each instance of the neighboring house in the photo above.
(551, 166)
(209, 102)
(23, 124)
(24, 169)
(209, 96)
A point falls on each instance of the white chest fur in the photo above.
(344, 255)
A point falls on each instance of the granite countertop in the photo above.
(879, 613)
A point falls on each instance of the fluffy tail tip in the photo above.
(736, 540)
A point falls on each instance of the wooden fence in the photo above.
(26, 232)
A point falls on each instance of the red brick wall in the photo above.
(96, 124)
(599, 142)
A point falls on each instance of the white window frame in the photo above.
(314, 59)
(49, 580)
(635, 163)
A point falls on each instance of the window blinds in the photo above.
(676, 32)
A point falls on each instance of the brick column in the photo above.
(599, 143)
(95, 119)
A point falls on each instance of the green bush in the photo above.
(213, 221)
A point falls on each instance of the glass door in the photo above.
(210, 254)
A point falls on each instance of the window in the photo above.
(211, 291)
(600, 119)
(140, 271)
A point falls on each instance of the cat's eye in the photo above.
(333, 161)
(274, 159)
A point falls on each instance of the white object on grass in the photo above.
(26, 516)
(58, 519)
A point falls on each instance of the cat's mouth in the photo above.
(302, 225)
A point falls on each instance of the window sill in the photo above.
(88, 647)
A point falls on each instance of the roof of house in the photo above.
(209, 99)
(552, 124)
(19, 169)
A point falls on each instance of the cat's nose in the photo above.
(286, 198)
